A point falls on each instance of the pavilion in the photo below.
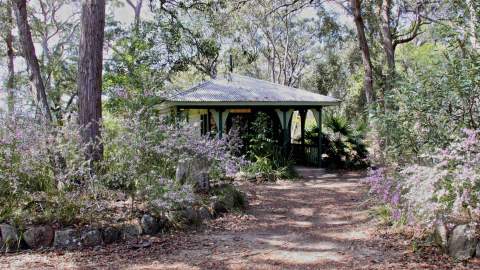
(212, 104)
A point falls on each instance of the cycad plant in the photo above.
(343, 145)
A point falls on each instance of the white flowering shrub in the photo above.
(446, 188)
(44, 176)
(141, 155)
(38, 162)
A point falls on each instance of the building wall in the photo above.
(194, 118)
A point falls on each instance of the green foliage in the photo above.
(230, 196)
(267, 157)
(54, 207)
(260, 138)
(383, 213)
(429, 109)
(262, 165)
(343, 145)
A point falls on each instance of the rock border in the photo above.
(461, 242)
(45, 236)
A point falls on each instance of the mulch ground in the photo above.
(318, 222)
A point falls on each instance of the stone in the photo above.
(201, 181)
(462, 242)
(240, 176)
(204, 213)
(131, 230)
(181, 172)
(150, 225)
(440, 235)
(8, 238)
(39, 236)
(68, 238)
(251, 177)
(477, 250)
(111, 234)
(259, 177)
(92, 238)
(218, 207)
(181, 217)
(190, 215)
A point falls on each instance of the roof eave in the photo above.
(255, 103)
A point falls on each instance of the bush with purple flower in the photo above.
(445, 187)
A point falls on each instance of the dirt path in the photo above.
(319, 222)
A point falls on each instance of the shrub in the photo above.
(445, 187)
(343, 146)
(44, 177)
(429, 108)
(231, 197)
(266, 157)
(146, 149)
(260, 138)
(38, 166)
(34, 157)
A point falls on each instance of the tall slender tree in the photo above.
(25, 35)
(362, 41)
(473, 23)
(8, 37)
(392, 36)
(90, 76)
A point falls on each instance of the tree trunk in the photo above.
(473, 23)
(10, 64)
(90, 76)
(137, 9)
(386, 33)
(362, 41)
(388, 48)
(31, 58)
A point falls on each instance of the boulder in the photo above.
(39, 236)
(240, 176)
(131, 230)
(259, 177)
(477, 250)
(440, 235)
(8, 238)
(193, 171)
(92, 238)
(204, 213)
(181, 172)
(218, 207)
(191, 216)
(150, 225)
(68, 238)
(181, 217)
(111, 234)
(201, 181)
(462, 242)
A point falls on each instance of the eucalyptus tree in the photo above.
(280, 36)
(89, 82)
(6, 28)
(55, 27)
(147, 54)
(473, 22)
(28, 49)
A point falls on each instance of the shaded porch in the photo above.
(219, 120)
